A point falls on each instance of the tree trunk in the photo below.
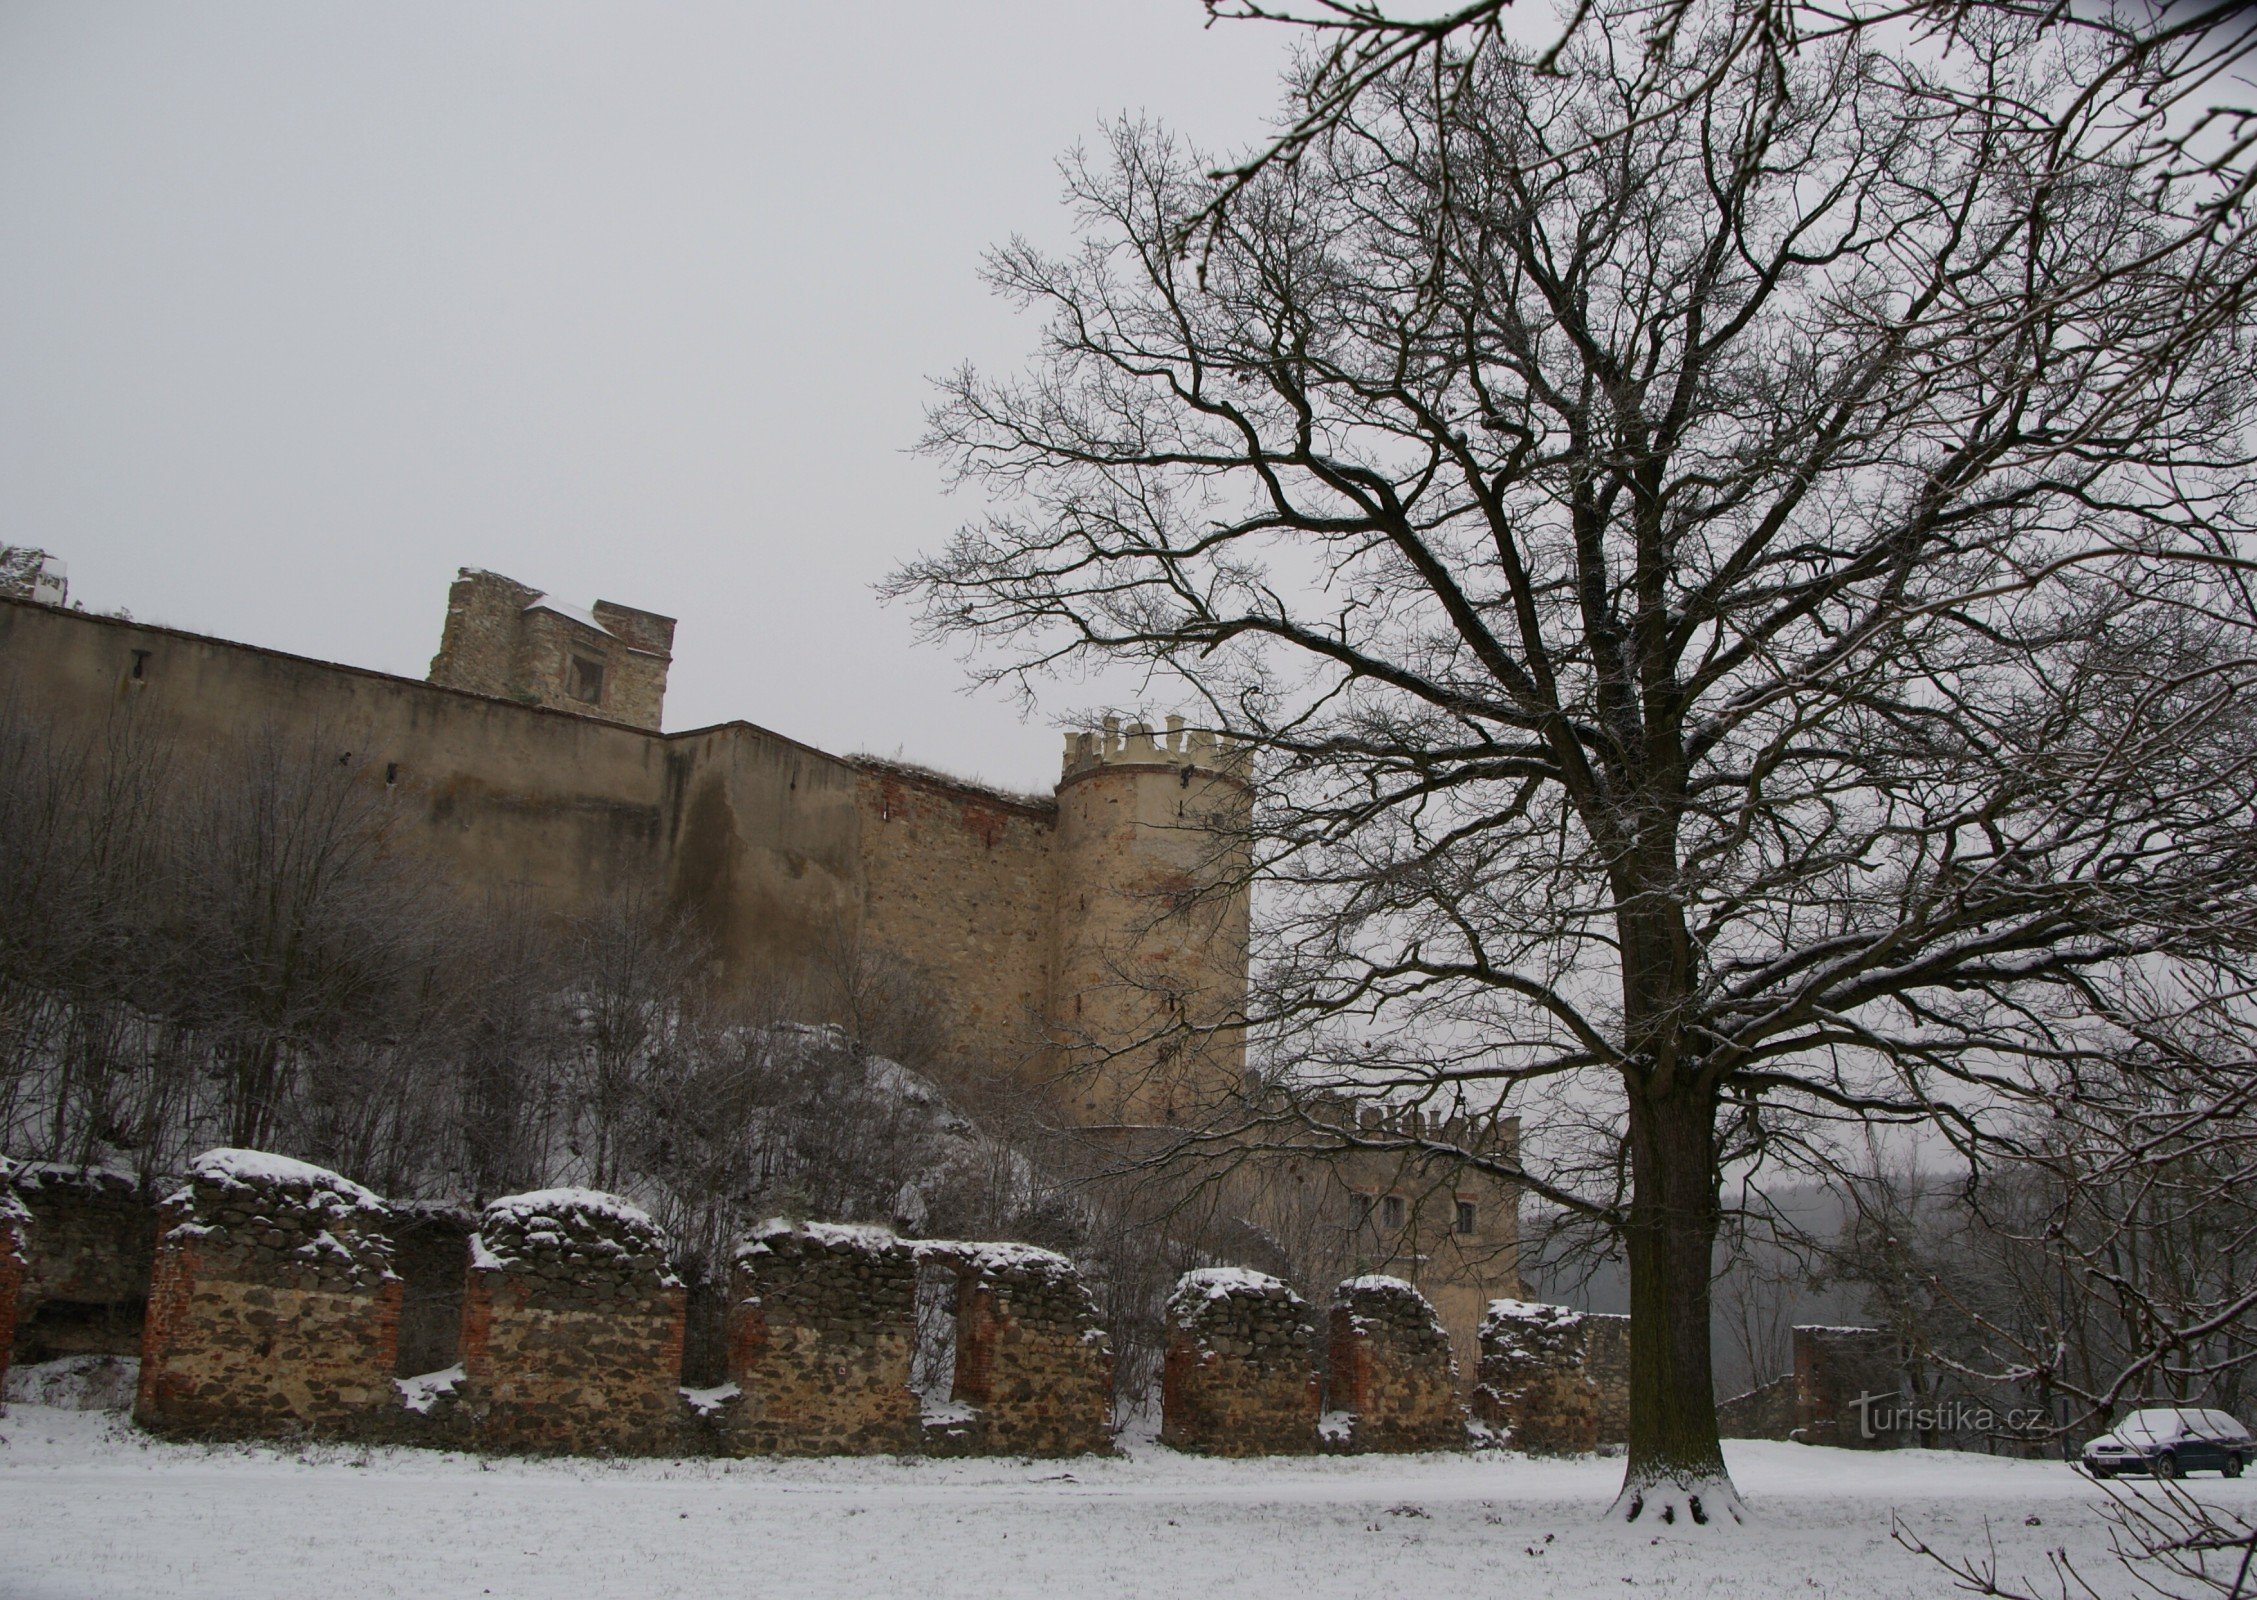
(1676, 1465)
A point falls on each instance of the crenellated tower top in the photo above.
(1112, 744)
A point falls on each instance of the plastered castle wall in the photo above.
(781, 854)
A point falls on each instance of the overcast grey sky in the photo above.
(303, 305)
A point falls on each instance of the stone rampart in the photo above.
(1237, 1378)
(273, 1308)
(1031, 1357)
(571, 1328)
(1393, 1382)
(820, 1337)
(1534, 1391)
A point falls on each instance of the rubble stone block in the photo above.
(1031, 1356)
(273, 1308)
(1238, 1379)
(571, 1328)
(821, 1333)
(1534, 1388)
(1394, 1383)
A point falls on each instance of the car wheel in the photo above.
(2166, 1465)
(2234, 1464)
(2100, 1471)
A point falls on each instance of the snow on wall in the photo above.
(1239, 1375)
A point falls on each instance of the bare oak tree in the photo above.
(1729, 563)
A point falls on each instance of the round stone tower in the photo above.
(1149, 983)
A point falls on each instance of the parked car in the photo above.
(2172, 1440)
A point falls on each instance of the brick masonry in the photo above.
(1237, 1378)
(273, 1309)
(820, 1337)
(1393, 1383)
(1535, 1392)
(571, 1328)
(1030, 1353)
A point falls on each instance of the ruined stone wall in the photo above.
(820, 1338)
(1834, 1367)
(86, 1280)
(571, 1328)
(1393, 1385)
(15, 1244)
(1606, 1360)
(1768, 1411)
(1030, 1353)
(1238, 1379)
(1535, 1391)
(958, 882)
(273, 1308)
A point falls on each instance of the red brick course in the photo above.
(1238, 1378)
(1393, 1380)
(273, 1309)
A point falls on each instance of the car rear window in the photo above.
(2223, 1426)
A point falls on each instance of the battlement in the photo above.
(1113, 744)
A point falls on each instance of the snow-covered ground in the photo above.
(90, 1508)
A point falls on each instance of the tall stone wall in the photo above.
(273, 1308)
(1768, 1411)
(1393, 1383)
(820, 1339)
(571, 1328)
(1030, 1353)
(958, 882)
(1535, 1390)
(86, 1284)
(1237, 1378)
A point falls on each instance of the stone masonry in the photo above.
(1394, 1385)
(15, 1236)
(1534, 1389)
(571, 1328)
(273, 1309)
(1237, 1379)
(93, 1237)
(1030, 1354)
(821, 1329)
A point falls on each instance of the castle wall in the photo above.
(960, 883)
(1536, 1390)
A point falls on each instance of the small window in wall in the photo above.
(1391, 1210)
(583, 680)
(1363, 1204)
(1468, 1219)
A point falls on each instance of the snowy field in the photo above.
(89, 1508)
